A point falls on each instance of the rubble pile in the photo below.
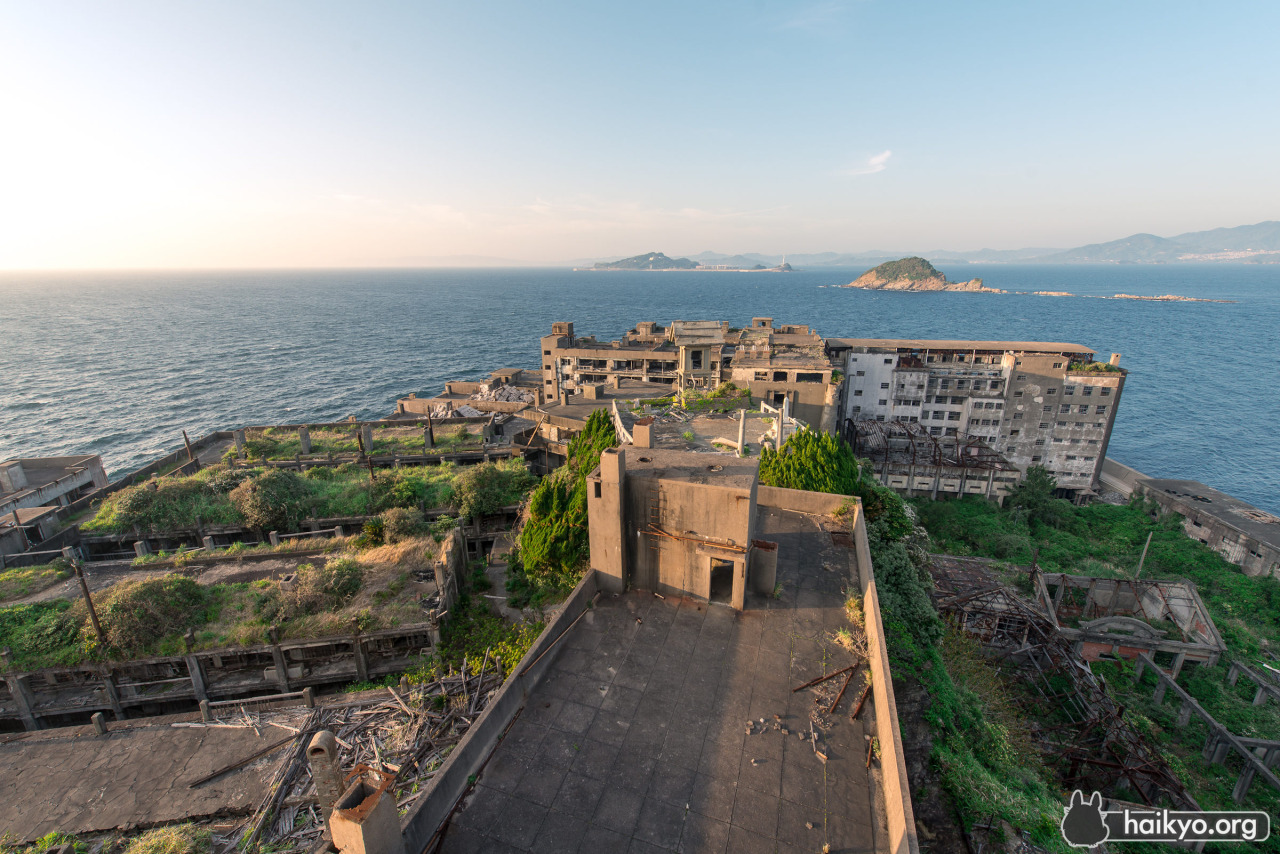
(408, 733)
(505, 393)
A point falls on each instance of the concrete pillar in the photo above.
(309, 697)
(274, 538)
(277, 656)
(208, 544)
(366, 433)
(1158, 697)
(304, 437)
(486, 432)
(99, 722)
(742, 432)
(322, 756)
(197, 677)
(21, 691)
(1233, 673)
(428, 437)
(1260, 696)
(362, 660)
(1178, 660)
(1242, 784)
(238, 436)
(113, 695)
(1138, 666)
(1184, 715)
(1210, 741)
(1220, 752)
(1272, 757)
(642, 433)
(375, 829)
(605, 517)
(206, 712)
(141, 548)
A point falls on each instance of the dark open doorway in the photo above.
(721, 581)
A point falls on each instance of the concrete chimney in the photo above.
(1115, 359)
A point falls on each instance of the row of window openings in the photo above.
(1070, 390)
(958, 357)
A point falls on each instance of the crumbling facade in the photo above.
(1235, 529)
(1034, 403)
(677, 523)
(776, 362)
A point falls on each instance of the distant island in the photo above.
(914, 274)
(1250, 244)
(660, 261)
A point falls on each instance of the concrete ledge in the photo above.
(467, 759)
(893, 762)
(816, 503)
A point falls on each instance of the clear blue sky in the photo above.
(183, 134)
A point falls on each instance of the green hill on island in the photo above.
(648, 261)
(913, 274)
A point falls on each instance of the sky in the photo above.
(314, 134)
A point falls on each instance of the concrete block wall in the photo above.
(453, 779)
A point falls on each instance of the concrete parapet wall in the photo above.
(1120, 477)
(893, 761)
(801, 501)
(453, 779)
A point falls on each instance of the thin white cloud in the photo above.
(817, 17)
(878, 163)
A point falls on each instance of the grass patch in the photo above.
(17, 583)
(279, 499)
(281, 443)
(332, 596)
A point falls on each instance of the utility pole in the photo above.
(1143, 559)
(93, 614)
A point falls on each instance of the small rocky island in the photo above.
(914, 274)
(648, 261)
(660, 261)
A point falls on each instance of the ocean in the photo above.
(121, 363)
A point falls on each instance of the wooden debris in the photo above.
(813, 682)
(409, 735)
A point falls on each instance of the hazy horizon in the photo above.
(158, 136)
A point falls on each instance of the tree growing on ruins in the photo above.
(271, 501)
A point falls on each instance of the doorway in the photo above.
(721, 581)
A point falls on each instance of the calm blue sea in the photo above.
(120, 363)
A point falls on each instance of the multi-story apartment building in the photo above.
(775, 362)
(1032, 402)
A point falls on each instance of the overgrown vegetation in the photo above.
(980, 749)
(330, 596)
(279, 499)
(1095, 368)
(819, 462)
(554, 545)
(1107, 541)
(283, 443)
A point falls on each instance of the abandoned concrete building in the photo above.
(1032, 402)
(507, 390)
(33, 490)
(782, 362)
(1235, 529)
(679, 523)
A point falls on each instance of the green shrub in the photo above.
(135, 615)
(273, 500)
(484, 489)
(42, 634)
(399, 523)
(315, 589)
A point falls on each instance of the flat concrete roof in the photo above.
(693, 467)
(944, 344)
(637, 738)
(579, 406)
(1208, 501)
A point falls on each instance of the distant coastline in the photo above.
(1161, 298)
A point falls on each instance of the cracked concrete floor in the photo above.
(75, 781)
(636, 739)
